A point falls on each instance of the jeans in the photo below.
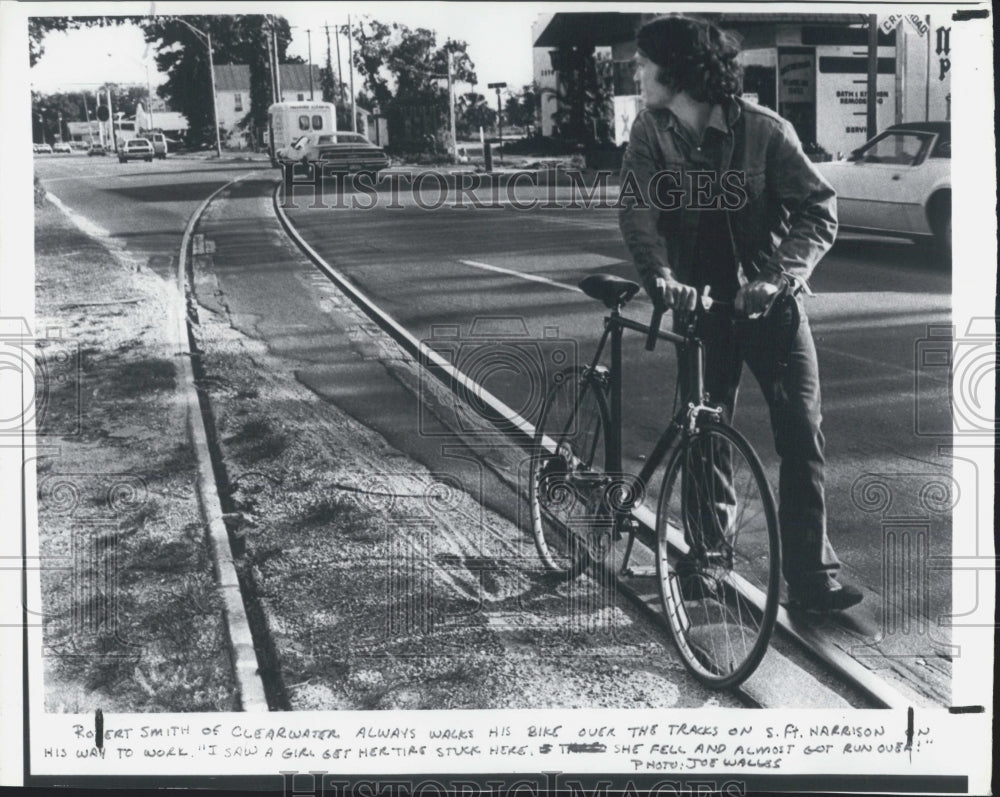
(793, 398)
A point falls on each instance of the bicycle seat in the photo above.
(611, 291)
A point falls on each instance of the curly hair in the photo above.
(693, 55)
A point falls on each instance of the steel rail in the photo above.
(880, 692)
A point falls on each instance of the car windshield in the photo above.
(897, 147)
(351, 138)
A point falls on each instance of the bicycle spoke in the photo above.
(714, 491)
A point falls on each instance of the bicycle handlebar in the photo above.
(705, 303)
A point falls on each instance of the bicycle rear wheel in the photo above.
(570, 517)
(718, 555)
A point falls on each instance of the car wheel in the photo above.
(940, 220)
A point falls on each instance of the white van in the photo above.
(289, 121)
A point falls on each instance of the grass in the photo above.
(144, 376)
(261, 438)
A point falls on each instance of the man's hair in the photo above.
(693, 55)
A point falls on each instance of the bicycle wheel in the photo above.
(570, 519)
(718, 557)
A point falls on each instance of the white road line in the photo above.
(520, 275)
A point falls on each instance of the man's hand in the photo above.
(676, 295)
(755, 297)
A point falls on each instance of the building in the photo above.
(232, 92)
(811, 68)
(174, 125)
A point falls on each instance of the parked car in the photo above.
(42, 149)
(63, 147)
(349, 152)
(159, 142)
(136, 149)
(97, 149)
(899, 183)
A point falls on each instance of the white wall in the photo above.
(842, 101)
(546, 78)
(916, 86)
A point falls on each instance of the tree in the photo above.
(586, 112)
(236, 39)
(473, 112)
(404, 72)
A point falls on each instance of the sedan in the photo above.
(347, 152)
(63, 147)
(97, 149)
(43, 149)
(136, 149)
(899, 183)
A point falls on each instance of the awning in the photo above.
(602, 29)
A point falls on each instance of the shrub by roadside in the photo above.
(131, 618)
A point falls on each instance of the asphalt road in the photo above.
(471, 278)
(144, 206)
(468, 279)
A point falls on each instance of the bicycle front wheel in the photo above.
(570, 518)
(718, 555)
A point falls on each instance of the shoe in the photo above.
(831, 597)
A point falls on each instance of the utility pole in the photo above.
(499, 86)
(207, 38)
(329, 58)
(277, 59)
(350, 64)
(271, 68)
(309, 38)
(340, 72)
(149, 93)
(872, 75)
(111, 117)
(451, 105)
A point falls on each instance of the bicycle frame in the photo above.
(692, 358)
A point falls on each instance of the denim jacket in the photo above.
(783, 215)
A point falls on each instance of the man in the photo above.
(738, 208)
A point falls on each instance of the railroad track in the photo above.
(797, 647)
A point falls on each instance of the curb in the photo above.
(246, 668)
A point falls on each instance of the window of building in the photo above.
(238, 102)
(302, 97)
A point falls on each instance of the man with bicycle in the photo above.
(693, 148)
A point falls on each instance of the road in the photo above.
(469, 279)
(506, 272)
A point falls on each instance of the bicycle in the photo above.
(718, 556)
